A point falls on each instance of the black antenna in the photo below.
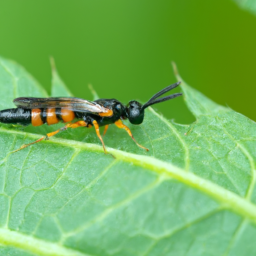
(153, 99)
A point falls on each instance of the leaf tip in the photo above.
(93, 92)
(53, 66)
(174, 66)
(175, 71)
(58, 86)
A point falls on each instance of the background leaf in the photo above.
(59, 89)
(193, 193)
(213, 43)
(249, 5)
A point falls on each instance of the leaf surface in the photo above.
(249, 5)
(192, 194)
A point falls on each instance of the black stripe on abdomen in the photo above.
(16, 116)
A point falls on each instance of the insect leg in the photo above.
(74, 125)
(97, 129)
(107, 114)
(105, 129)
(26, 145)
(48, 135)
(119, 124)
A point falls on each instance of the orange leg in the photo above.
(108, 113)
(97, 129)
(119, 124)
(48, 135)
(105, 129)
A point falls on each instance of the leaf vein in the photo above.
(173, 129)
(230, 200)
(90, 184)
(182, 227)
(105, 213)
(35, 245)
(251, 161)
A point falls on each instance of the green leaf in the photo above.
(59, 89)
(192, 194)
(249, 5)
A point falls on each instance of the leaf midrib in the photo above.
(228, 199)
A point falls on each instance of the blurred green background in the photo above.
(124, 48)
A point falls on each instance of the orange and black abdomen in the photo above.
(36, 117)
(51, 116)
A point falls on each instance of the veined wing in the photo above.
(74, 104)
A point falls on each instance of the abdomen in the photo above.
(36, 117)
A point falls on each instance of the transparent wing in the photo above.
(74, 104)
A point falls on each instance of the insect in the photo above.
(76, 112)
